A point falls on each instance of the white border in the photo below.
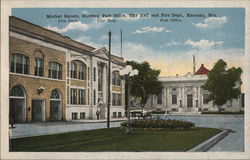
(6, 6)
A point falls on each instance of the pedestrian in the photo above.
(98, 114)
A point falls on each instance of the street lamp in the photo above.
(126, 74)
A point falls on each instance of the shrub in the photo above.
(149, 124)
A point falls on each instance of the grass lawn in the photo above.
(114, 139)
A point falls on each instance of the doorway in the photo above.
(189, 100)
(37, 110)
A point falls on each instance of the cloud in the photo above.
(212, 22)
(172, 43)
(179, 62)
(150, 29)
(87, 40)
(203, 44)
(70, 26)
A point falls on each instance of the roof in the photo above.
(188, 77)
(41, 31)
(202, 70)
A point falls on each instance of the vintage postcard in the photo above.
(124, 79)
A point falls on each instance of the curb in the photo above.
(204, 146)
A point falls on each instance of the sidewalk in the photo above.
(46, 128)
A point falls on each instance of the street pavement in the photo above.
(233, 142)
(46, 128)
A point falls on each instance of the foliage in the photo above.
(227, 112)
(222, 83)
(146, 83)
(150, 124)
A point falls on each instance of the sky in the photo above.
(165, 37)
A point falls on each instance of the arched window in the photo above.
(55, 94)
(39, 67)
(73, 70)
(55, 70)
(17, 91)
(116, 80)
(19, 63)
(82, 72)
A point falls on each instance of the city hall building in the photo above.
(184, 94)
(53, 77)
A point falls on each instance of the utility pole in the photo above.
(109, 77)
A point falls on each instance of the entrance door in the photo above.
(37, 112)
(189, 100)
(55, 110)
(17, 110)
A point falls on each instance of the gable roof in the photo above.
(202, 70)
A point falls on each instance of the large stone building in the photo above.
(53, 77)
(182, 94)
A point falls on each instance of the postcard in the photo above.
(124, 79)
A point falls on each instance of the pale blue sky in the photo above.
(168, 46)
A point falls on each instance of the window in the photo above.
(117, 99)
(174, 99)
(100, 80)
(55, 94)
(73, 70)
(159, 98)
(39, 67)
(94, 97)
(74, 115)
(16, 91)
(55, 70)
(19, 63)
(82, 96)
(119, 114)
(82, 115)
(114, 114)
(94, 74)
(205, 98)
(116, 80)
(82, 72)
(73, 96)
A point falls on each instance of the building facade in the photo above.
(185, 94)
(53, 77)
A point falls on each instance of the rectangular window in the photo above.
(116, 99)
(94, 97)
(159, 98)
(55, 70)
(19, 63)
(174, 89)
(74, 116)
(82, 115)
(82, 72)
(73, 70)
(39, 67)
(114, 114)
(73, 96)
(82, 96)
(205, 98)
(174, 99)
(119, 114)
(94, 74)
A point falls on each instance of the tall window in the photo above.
(117, 99)
(55, 70)
(100, 80)
(73, 70)
(94, 97)
(39, 67)
(82, 72)
(159, 98)
(174, 99)
(205, 98)
(94, 74)
(116, 80)
(82, 96)
(19, 63)
(73, 96)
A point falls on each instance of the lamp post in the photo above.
(126, 74)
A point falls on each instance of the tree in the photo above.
(223, 84)
(146, 83)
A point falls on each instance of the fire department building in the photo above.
(53, 77)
